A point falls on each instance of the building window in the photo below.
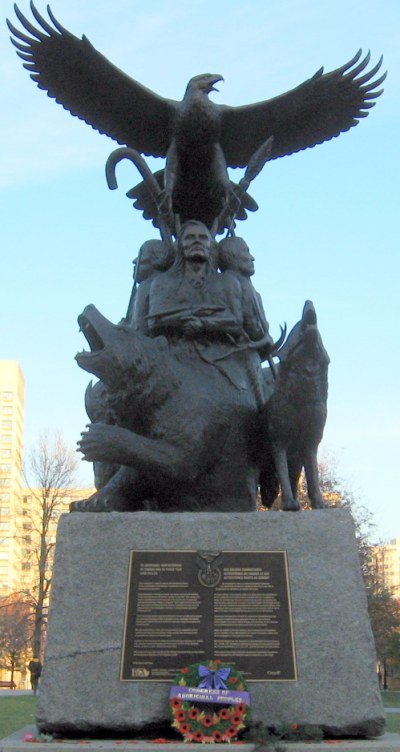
(4, 497)
(6, 453)
(4, 511)
(8, 396)
(5, 424)
(27, 526)
(6, 438)
(8, 410)
(5, 468)
(4, 525)
(5, 481)
(3, 555)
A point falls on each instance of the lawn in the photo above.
(391, 698)
(393, 723)
(15, 713)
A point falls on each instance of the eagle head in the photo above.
(204, 83)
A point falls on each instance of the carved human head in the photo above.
(154, 256)
(234, 254)
(195, 243)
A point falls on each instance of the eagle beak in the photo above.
(214, 81)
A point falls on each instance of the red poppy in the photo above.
(175, 702)
(184, 670)
(233, 679)
(237, 718)
(180, 716)
(159, 741)
(193, 713)
(294, 726)
(217, 736)
(184, 728)
(224, 714)
(217, 662)
(241, 708)
(207, 721)
(198, 736)
(231, 731)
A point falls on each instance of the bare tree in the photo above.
(15, 633)
(51, 470)
(384, 612)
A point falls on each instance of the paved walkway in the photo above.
(16, 743)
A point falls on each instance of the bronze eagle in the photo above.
(198, 137)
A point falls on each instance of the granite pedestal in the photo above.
(336, 688)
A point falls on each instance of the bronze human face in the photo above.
(195, 243)
(144, 265)
(245, 261)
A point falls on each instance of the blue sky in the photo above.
(326, 230)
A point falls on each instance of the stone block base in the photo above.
(336, 687)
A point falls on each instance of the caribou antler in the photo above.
(279, 342)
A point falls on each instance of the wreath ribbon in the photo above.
(213, 679)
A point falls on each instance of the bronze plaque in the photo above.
(186, 607)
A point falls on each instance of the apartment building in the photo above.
(386, 563)
(20, 506)
(12, 392)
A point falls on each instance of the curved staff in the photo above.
(126, 152)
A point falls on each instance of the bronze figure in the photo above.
(198, 137)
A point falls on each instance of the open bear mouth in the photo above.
(91, 334)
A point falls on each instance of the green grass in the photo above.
(15, 713)
(393, 723)
(391, 698)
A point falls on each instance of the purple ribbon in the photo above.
(213, 679)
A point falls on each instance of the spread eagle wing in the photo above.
(77, 76)
(316, 111)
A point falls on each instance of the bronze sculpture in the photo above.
(184, 416)
(294, 416)
(198, 138)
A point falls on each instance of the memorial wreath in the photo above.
(227, 699)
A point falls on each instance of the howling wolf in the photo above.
(294, 416)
